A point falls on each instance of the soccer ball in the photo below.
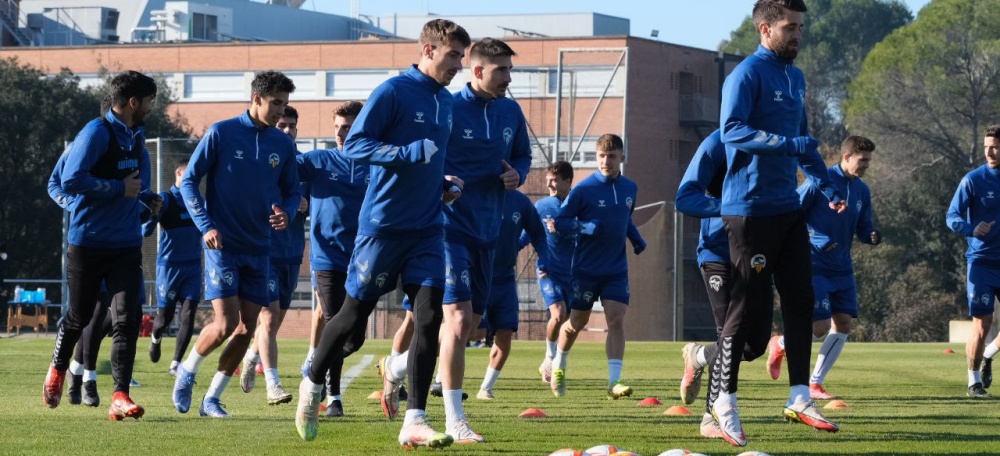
(679, 452)
(569, 452)
(753, 453)
(603, 450)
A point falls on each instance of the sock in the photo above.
(219, 383)
(174, 364)
(799, 393)
(75, 368)
(974, 377)
(820, 338)
(700, 360)
(394, 353)
(312, 351)
(397, 367)
(560, 360)
(453, 410)
(315, 388)
(725, 399)
(437, 377)
(330, 399)
(828, 354)
(91, 375)
(614, 371)
(413, 415)
(251, 355)
(271, 377)
(550, 348)
(156, 340)
(990, 351)
(490, 379)
(781, 342)
(193, 362)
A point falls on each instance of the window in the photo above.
(204, 27)
(353, 85)
(215, 87)
(305, 85)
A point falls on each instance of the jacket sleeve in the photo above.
(535, 232)
(88, 147)
(567, 223)
(738, 98)
(813, 166)
(55, 185)
(364, 143)
(957, 217)
(692, 197)
(288, 183)
(865, 224)
(149, 226)
(520, 155)
(202, 162)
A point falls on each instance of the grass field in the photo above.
(904, 399)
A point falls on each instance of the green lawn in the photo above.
(904, 399)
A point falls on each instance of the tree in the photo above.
(43, 113)
(836, 38)
(925, 95)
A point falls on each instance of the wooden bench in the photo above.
(18, 318)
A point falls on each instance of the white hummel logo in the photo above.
(362, 266)
(600, 203)
(468, 134)
(239, 154)
(989, 194)
(420, 118)
(333, 176)
(777, 96)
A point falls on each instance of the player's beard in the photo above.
(786, 50)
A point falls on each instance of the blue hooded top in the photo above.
(337, 187)
(830, 233)
(698, 196)
(976, 200)
(765, 131)
(519, 217)
(404, 198)
(180, 240)
(246, 166)
(559, 246)
(485, 132)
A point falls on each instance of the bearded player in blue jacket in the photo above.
(599, 211)
(402, 132)
(831, 235)
(246, 162)
(764, 128)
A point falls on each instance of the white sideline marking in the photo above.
(354, 371)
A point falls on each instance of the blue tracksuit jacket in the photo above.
(337, 186)
(697, 197)
(831, 233)
(976, 200)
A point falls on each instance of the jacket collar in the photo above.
(423, 79)
(606, 180)
(768, 55)
(246, 121)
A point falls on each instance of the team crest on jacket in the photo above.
(465, 277)
(274, 160)
(508, 134)
(715, 282)
(272, 286)
(380, 280)
(628, 202)
(758, 262)
(858, 205)
(515, 217)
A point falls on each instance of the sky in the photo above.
(700, 23)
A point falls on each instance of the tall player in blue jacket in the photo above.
(503, 307)
(246, 162)
(178, 269)
(402, 132)
(107, 171)
(764, 128)
(337, 188)
(699, 195)
(599, 210)
(974, 211)
(831, 235)
(555, 284)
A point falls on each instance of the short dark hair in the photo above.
(128, 85)
(993, 131)
(267, 83)
(490, 48)
(769, 11)
(561, 169)
(182, 163)
(610, 141)
(856, 144)
(440, 32)
(348, 109)
(290, 112)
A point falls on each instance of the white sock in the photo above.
(974, 377)
(219, 383)
(91, 375)
(312, 351)
(798, 394)
(725, 399)
(828, 354)
(560, 360)
(156, 340)
(700, 360)
(781, 342)
(193, 362)
(330, 399)
(990, 351)
(174, 364)
(397, 366)
(437, 377)
(614, 371)
(413, 415)
(393, 352)
(453, 410)
(75, 368)
(271, 377)
(315, 388)
(490, 379)
(251, 355)
(550, 348)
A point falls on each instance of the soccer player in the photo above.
(831, 235)
(699, 196)
(502, 309)
(178, 270)
(489, 150)
(599, 212)
(973, 212)
(107, 170)
(764, 128)
(399, 132)
(287, 247)
(555, 285)
(248, 163)
(338, 186)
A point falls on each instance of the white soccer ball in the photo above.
(569, 452)
(753, 453)
(680, 452)
(603, 450)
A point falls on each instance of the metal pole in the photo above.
(559, 73)
(678, 261)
